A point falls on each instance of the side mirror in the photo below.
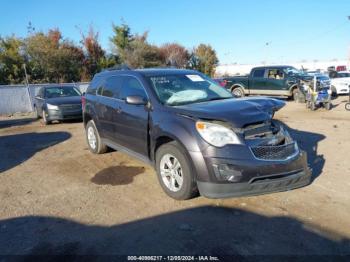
(37, 97)
(136, 100)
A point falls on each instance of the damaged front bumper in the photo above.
(269, 161)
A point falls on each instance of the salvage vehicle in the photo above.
(340, 82)
(57, 103)
(266, 80)
(198, 137)
(318, 92)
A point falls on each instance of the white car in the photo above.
(340, 83)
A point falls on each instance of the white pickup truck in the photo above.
(340, 82)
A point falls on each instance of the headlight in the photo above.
(52, 107)
(216, 135)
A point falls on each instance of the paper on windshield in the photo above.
(195, 78)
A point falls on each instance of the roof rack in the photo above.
(118, 67)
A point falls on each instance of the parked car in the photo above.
(194, 132)
(56, 103)
(340, 82)
(267, 80)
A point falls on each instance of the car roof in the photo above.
(272, 66)
(149, 71)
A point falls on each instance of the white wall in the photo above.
(238, 69)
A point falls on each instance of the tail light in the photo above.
(83, 102)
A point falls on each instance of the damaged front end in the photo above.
(270, 141)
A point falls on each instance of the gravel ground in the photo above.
(58, 198)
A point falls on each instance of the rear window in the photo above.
(259, 73)
(94, 84)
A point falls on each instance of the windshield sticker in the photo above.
(195, 78)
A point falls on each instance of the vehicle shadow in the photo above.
(16, 122)
(117, 175)
(206, 230)
(308, 142)
(15, 149)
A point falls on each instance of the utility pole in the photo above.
(267, 45)
(25, 72)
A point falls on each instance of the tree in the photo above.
(173, 54)
(140, 54)
(11, 61)
(204, 59)
(121, 39)
(95, 58)
(53, 59)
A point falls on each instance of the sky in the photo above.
(249, 31)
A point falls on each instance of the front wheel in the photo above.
(174, 172)
(296, 95)
(45, 120)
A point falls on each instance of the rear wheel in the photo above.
(93, 139)
(174, 172)
(237, 92)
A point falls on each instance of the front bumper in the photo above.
(247, 175)
(60, 114)
(263, 185)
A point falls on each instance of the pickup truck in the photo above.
(267, 80)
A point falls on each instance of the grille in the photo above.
(70, 106)
(280, 152)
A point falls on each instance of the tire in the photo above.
(237, 92)
(347, 106)
(169, 176)
(45, 121)
(295, 95)
(93, 139)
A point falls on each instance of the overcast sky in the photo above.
(238, 30)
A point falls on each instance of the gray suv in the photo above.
(199, 138)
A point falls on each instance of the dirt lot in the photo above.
(57, 197)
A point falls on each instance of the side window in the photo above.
(132, 87)
(275, 74)
(112, 87)
(259, 73)
(93, 86)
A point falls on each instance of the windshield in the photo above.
(183, 89)
(53, 92)
(292, 71)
